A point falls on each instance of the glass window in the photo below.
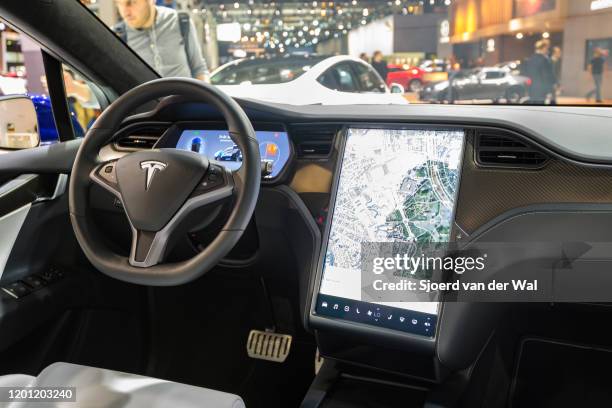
(368, 79)
(256, 43)
(340, 77)
(328, 80)
(21, 69)
(22, 74)
(82, 101)
(261, 71)
(494, 74)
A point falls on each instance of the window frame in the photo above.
(58, 97)
(499, 74)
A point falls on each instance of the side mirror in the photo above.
(397, 89)
(18, 123)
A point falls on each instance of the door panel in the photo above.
(10, 225)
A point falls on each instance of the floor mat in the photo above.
(552, 374)
(201, 332)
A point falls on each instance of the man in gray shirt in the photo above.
(154, 33)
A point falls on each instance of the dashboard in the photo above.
(347, 177)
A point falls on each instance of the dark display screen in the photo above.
(217, 145)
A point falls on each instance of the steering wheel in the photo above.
(159, 188)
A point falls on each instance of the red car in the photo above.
(411, 78)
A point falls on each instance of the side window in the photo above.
(26, 116)
(328, 80)
(494, 75)
(82, 102)
(368, 79)
(346, 78)
(340, 77)
(23, 96)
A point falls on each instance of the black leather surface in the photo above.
(151, 208)
(55, 158)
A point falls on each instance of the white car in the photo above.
(306, 80)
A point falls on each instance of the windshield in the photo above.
(539, 52)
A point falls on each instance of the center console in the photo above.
(392, 186)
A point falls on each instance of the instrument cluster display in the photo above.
(217, 145)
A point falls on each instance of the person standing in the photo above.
(364, 57)
(596, 69)
(556, 65)
(540, 69)
(163, 37)
(380, 65)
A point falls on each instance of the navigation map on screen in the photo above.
(394, 186)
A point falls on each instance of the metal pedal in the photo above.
(268, 346)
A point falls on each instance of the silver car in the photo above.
(495, 84)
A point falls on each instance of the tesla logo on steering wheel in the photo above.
(152, 167)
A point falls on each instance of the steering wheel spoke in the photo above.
(105, 175)
(148, 248)
(216, 186)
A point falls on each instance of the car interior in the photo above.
(146, 265)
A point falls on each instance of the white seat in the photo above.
(16, 380)
(96, 387)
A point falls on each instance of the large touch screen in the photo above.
(394, 186)
(217, 145)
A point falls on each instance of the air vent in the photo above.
(306, 149)
(503, 150)
(314, 141)
(141, 138)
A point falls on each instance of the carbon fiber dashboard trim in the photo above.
(486, 192)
